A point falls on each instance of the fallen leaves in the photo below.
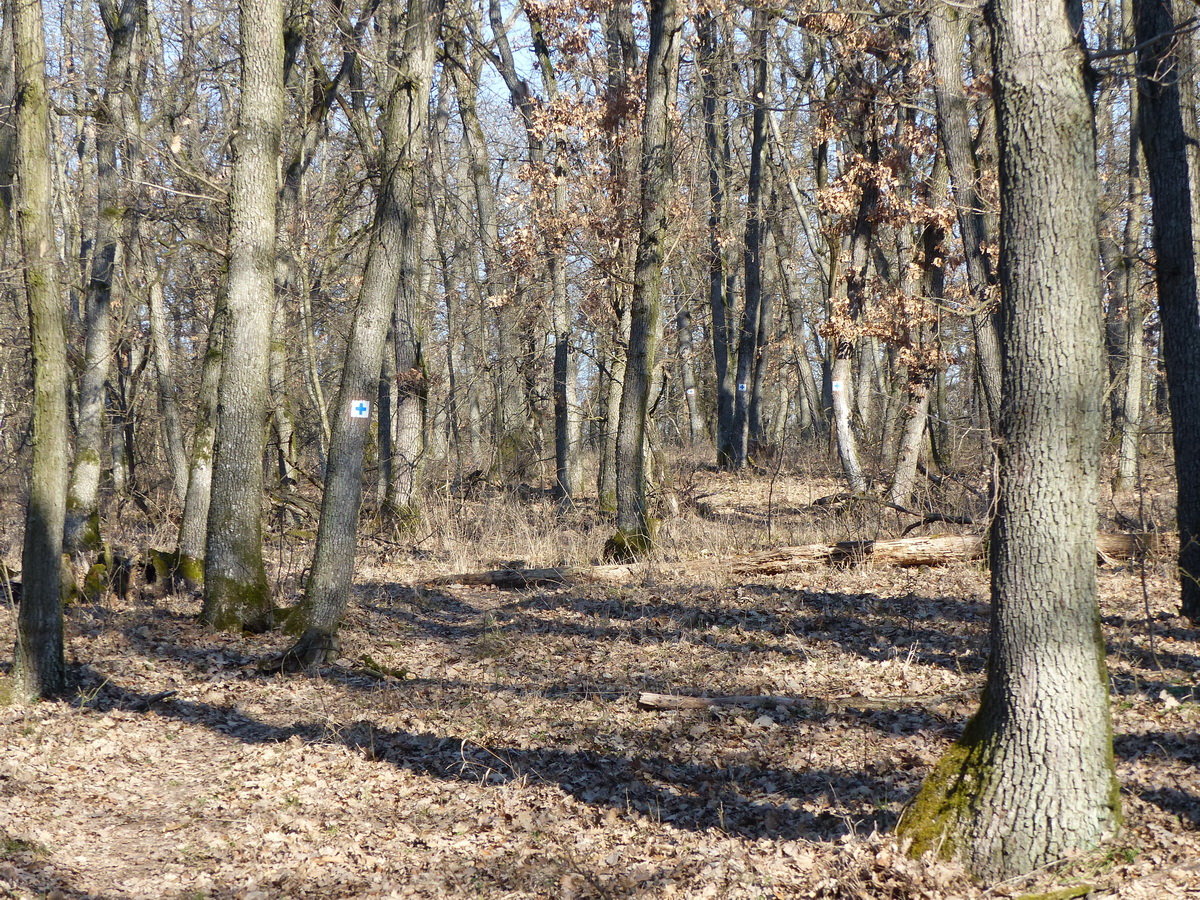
(491, 745)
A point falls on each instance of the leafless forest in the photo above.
(521, 448)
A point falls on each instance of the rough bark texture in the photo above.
(1032, 778)
(236, 591)
(39, 669)
(1167, 113)
(323, 606)
(634, 535)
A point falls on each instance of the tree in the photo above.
(236, 591)
(39, 666)
(1032, 777)
(121, 23)
(1167, 113)
(947, 30)
(404, 123)
(634, 533)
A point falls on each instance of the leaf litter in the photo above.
(479, 743)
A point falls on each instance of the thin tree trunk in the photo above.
(947, 30)
(747, 349)
(168, 401)
(39, 668)
(1128, 424)
(321, 609)
(634, 536)
(716, 142)
(687, 373)
(82, 526)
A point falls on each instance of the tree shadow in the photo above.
(748, 801)
(898, 624)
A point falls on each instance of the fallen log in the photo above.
(515, 579)
(935, 550)
(651, 700)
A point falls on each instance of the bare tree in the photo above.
(39, 666)
(236, 591)
(1032, 777)
(634, 532)
(405, 125)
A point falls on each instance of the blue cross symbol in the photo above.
(360, 409)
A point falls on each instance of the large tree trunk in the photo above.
(1171, 141)
(1032, 779)
(323, 605)
(39, 668)
(634, 534)
(236, 592)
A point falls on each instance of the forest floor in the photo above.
(473, 742)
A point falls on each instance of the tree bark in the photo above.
(168, 401)
(323, 606)
(1032, 778)
(947, 30)
(756, 234)
(634, 532)
(1167, 113)
(720, 279)
(39, 668)
(236, 592)
(82, 534)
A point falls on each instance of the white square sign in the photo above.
(360, 409)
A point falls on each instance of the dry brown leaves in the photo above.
(511, 761)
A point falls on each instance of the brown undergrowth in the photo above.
(479, 743)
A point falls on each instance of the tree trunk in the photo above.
(193, 526)
(922, 371)
(846, 340)
(747, 348)
(39, 668)
(720, 281)
(947, 30)
(323, 605)
(687, 373)
(1133, 350)
(1167, 112)
(236, 592)
(634, 533)
(82, 533)
(1032, 778)
(168, 402)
